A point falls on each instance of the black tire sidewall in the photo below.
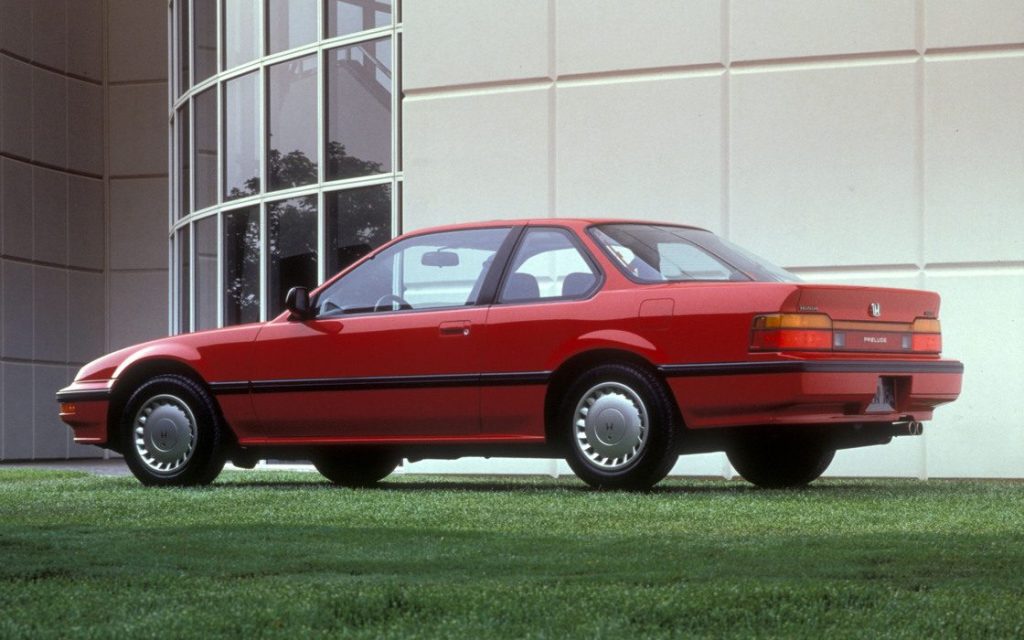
(356, 468)
(207, 459)
(659, 454)
(781, 463)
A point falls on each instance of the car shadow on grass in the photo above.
(566, 485)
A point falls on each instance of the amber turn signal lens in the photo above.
(926, 336)
(68, 408)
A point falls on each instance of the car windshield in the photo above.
(664, 253)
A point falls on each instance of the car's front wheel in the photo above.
(781, 463)
(618, 423)
(356, 468)
(172, 433)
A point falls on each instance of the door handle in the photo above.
(454, 328)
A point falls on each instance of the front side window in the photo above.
(548, 265)
(422, 272)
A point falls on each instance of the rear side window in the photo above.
(653, 254)
(548, 265)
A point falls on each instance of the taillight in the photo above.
(791, 332)
(926, 336)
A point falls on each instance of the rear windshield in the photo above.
(662, 253)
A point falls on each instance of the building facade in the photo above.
(878, 142)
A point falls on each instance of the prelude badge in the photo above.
(875, 310)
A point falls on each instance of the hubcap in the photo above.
(165, 433)
(611, 426)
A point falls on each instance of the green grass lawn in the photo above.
(262, 554)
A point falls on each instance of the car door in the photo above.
(393, 352)
(542, 304)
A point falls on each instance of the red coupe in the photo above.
(615, 344)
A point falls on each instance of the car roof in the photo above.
(574, 223)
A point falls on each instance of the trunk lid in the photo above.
(876, 319)
(853, 303)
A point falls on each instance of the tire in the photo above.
(618, 426)
(172, 433)
(781, 463)
(356, 468)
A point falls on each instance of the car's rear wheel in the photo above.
(782, 462)
(356, 468)
(172, 433)
(618, 422)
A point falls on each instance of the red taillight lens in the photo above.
(791, 332)
(926, 336)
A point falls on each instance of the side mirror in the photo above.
(297, 302)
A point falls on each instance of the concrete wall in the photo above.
(83, 215)
(52, 213)
(875, 142)
(138, 170)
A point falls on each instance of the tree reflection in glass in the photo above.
(358, 220)
(358, 109)
(242, 266)
(291, 249)
(241, 137)
(291, 134)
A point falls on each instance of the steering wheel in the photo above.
(386, 303)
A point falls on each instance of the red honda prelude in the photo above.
(616, 344)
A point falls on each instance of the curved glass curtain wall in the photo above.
(285, 149)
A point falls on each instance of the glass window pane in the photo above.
(183, 46)
(291, 134)
(349, 16)
(241, 32)
(359, 109)
(184, 291)
(184, 163)
(292, 249)
(204, 22)
(241, 137)
(206, 148)
(291, 23)
(436, 270)
(358, 220)
(206, 273)
(242, 266)
(547, 265)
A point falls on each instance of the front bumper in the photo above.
(84, 407)
(800, 391)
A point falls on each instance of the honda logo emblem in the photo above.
(875, 310)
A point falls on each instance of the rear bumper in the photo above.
(83, 406)
(728, 394)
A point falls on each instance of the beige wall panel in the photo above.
(476, 157)
(823, 165)
(138, 224)
(964, 23)
(766, 29)
(50, 435)
(648, 149)
(138, 307)
(610, 35)
(452, 42)
(138, 129)
(981, 434)
(974, 160)
(137, 43)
